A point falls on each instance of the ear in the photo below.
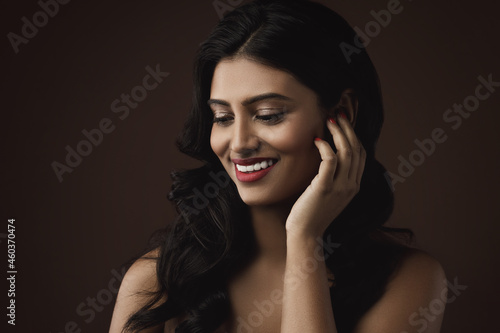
(349, 104)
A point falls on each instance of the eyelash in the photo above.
(270, 119)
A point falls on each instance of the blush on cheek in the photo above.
(215, 142)
(293, 139)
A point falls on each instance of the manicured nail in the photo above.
(342, 114)
(317, 139)
(332, 120)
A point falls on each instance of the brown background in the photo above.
(70, 236)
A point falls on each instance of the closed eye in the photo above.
(271, 119)
(225, 119)
(222, 120)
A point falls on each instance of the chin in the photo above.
(254, 197)
(269, 197)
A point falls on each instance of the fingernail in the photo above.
(317, 139)
(332, 120)
(342, 114)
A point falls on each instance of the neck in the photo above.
(269, 226)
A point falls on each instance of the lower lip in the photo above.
(253, 176)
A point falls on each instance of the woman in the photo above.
(281, 229)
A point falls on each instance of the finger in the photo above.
(328, 164)
(344, 151)
(361, 167)
(354, 143)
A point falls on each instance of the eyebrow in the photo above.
(252, 100)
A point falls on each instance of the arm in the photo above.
(415, 298)
(414, 301)
(306, 297)
(140, 276)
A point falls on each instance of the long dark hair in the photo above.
(211, 239)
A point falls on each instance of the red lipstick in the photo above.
(253, 175)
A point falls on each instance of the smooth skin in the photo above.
(291, 207)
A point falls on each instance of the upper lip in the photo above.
(250, 161)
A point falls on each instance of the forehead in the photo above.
(242, 78)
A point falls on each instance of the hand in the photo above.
(336, 183)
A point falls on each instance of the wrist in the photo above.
(304, 235)
(304, 244)
(304, 256)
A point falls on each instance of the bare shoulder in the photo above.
(415, 298)
(142, 273)
(132, 295)
(418, 268)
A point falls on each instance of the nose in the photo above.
(244, 140)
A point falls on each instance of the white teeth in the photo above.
(255, 167)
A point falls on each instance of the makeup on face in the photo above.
(253, 169)
(264, 125)
(267, 108)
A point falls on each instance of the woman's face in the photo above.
(265, 122)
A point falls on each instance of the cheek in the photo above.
(217, 142)
(296, 138)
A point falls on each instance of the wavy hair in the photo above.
(212, 239)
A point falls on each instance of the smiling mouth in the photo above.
(254, 167)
